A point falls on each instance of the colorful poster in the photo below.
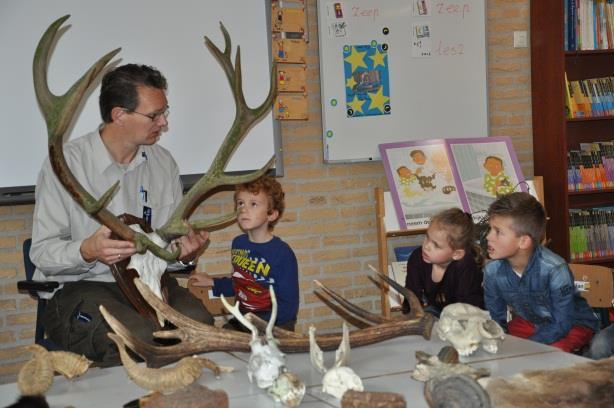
(367, 89)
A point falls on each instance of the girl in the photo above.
(447, 267)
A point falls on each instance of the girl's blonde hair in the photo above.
(460, 229)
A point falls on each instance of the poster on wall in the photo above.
(367, 89)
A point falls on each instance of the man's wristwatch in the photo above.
(186, 264)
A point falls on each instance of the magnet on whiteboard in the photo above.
(385, 30)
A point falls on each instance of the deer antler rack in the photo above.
(199, 338)
(245, 119)
(59, 112)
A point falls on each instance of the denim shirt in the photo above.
(544, 295)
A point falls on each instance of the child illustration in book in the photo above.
(496, 182)
(530, 280)
(406, 178)
(446, 269)
(259, 259)
(423, 171)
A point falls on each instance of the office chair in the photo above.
(32, 288)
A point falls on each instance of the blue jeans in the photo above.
(602, 345)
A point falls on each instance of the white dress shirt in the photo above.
(60, 225)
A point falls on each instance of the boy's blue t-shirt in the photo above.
(257, 266)
(544, 295)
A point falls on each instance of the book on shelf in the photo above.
(591, 233)
(428, 176)
(592, 167)
(571, 107)
(590, 97)
(402, 253)
(589, 24)
(397, 270)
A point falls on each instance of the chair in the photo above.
(596, 285)
(213, 304)
(32, 288)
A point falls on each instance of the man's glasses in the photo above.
(155, 116)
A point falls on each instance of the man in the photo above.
(71, 247)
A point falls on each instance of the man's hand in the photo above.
(191, 244)
(100, 247)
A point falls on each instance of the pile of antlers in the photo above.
(196, 337)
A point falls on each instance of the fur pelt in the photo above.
(583, 385)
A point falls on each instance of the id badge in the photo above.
(147, 215)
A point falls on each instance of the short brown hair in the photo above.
(527, 214)
(269, 186)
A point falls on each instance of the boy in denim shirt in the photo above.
(533, 281)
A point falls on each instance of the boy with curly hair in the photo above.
(259, 258)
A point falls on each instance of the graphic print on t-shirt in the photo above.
(251, 280)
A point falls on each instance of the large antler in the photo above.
(59, 112)
(245, 118)
(199, 338)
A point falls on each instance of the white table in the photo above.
(384, 366)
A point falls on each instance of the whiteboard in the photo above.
(167, 35)
(428, 65)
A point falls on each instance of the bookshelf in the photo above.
(553, 134)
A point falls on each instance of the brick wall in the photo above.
(330, 220)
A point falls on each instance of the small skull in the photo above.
(265, 364)
(338, 380)
(466, 327)
(287, 389)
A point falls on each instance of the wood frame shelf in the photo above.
(382, 245)
(553, 133)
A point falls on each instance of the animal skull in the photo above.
(266, 362)
(339, 378)
(444, 364)
(466, 327)
(287, 389)
(150, 267)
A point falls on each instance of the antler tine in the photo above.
(342, 355)
(245, 119)
(416, 310)
(234, 310)
(273, 317)
(278, 332)
(315, 352)
(163, 309)
(59, 112)
(350, 307)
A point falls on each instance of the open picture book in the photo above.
(428, 176)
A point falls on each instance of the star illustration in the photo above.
(378, 59)
(356, 104)
(378, 99)
(356, 59)
(350, 82)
